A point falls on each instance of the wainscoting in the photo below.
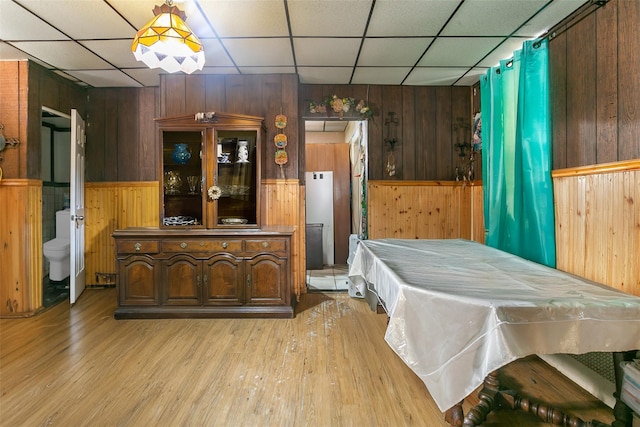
(598, 223)
(21, 247)
(425, 210)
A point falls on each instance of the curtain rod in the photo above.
(551, 34)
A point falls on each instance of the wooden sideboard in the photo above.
(175, 273)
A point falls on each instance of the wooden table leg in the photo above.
(476, 416)
(492, 397)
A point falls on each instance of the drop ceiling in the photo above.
(381, 42)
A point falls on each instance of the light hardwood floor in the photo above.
(329, 366)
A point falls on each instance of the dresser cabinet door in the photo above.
(138, 275)
(266, 280)
(223, 284)
(182, 280)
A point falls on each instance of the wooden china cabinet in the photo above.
(209, 255)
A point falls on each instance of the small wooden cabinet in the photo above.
(204, 273)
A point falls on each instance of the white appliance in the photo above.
(319, 203)
(58, 250)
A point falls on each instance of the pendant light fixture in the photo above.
(168, 43)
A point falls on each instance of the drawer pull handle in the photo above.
(225, 245)
(265, 244)
(183, 245)
(137, 247)
(201, 243)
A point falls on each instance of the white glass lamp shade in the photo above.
(167, 42)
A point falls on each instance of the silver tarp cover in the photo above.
(459, 310)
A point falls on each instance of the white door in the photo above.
(77, 206)
(319, 209)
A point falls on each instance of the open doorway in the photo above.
(335, 180)
(55, 166)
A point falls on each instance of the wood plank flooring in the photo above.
(329, 366)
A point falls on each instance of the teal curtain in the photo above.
(516, 155)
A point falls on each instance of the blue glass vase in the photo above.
(180, 154)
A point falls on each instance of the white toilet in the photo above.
(57, 250)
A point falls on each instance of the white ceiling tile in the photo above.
(392, 51)
(82, 19)
(422, 76)
(139, 12)
(380, 75)
(326, 36)
(549, 17)
(10, 53)
(116, 52)
(324, 75)
(472, 77)
(458, 51)
(214, 54)
(260, 52)
(504, 51)
(65, 55)
(105, 78)
(409, 17)
(328, 18)
(491, 17)
(313, 126)
(265, 18)
(335, 126)
(326, 51)
(70, 77)
(146, 76)
(16, 23)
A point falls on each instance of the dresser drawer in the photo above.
(127, 246)
(266, 245)
(202, 245)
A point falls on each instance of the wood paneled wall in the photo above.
(283, 204)
(598, 223)
(255, 95)
(26, 87)
(110, 206)
(594, 87)
(425, 210)
(121, 134)
(335, 157)
(14, 91)
(20, 247)
(431, 121)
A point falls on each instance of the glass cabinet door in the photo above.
(236, 176)
(182, 177)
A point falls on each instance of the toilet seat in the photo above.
(57, 245)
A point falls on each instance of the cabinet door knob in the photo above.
(265, 244)
(198, 281)
(225, 245)
(137, 247)
(183, 245)
(248, 280)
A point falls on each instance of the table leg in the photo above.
(492, 397)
